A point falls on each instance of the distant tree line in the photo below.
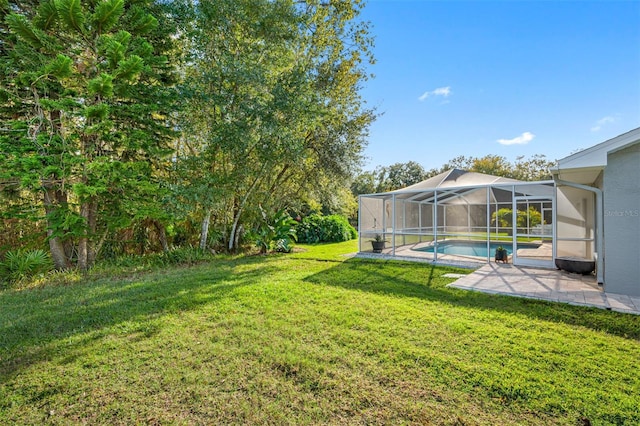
(401, 175)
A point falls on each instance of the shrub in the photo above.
(21, 264)
(316, 228)
(277, 232)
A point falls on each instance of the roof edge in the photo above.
(616, 143)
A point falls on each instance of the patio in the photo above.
(545, 284)
(528, 282)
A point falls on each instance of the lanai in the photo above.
(464, 206)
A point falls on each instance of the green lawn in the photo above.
(309, 338)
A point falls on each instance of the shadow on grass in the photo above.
(34, 323)
(426, 281)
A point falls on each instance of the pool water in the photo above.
(473, 248)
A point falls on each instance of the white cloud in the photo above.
(440, 91)
(604, 120)
(523, 139)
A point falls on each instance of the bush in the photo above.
(21, 264)
(277, 232)
(316, 228)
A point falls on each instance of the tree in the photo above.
(86, 101)
(399, 175)
(495, 165)
(535, 168)
(364, 183)
(274, 114)
(524, 218)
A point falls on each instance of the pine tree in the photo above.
(86, 101)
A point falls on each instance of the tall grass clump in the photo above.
(176, 256)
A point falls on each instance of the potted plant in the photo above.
(378, 243)
(501, 254)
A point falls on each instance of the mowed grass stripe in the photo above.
(309, 338)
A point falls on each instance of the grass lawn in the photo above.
(309, 338)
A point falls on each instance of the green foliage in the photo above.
(176, 256)
(90, 111)
(316, 228)
(20, 264)
(504, 218)
(277, 232)
(129, 68)
(107, 13)
(70, 11)
(274, 116)
(21, 27)
(269, 107)
(101, 85)
(184, 256)
(60, 67)
(47, 15)
(399, 175)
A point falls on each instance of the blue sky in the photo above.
(509, 78)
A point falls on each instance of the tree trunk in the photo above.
(56, 247)
(93, 217)
(86, 253)
(67, 243)
(233, 238)
(93, 220)
(83, 242)
(238, 233)
(98, 247)
(162, 235)
(61, 251)
(204, 229)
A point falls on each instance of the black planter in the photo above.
(501, 256)
(577, 265)
(378, 246)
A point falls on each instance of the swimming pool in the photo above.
(473, 248)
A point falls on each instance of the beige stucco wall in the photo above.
(622, 221)
(575, 222)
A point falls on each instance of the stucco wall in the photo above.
(622, 221)
(575, 220)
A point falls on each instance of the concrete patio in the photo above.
(533, 283)
(545, 284)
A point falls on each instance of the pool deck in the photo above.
(545, 284)
(518, 281)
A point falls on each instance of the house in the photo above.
(610, 171)
(590, 210)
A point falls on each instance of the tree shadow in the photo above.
(37, 321)
(397, 278)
